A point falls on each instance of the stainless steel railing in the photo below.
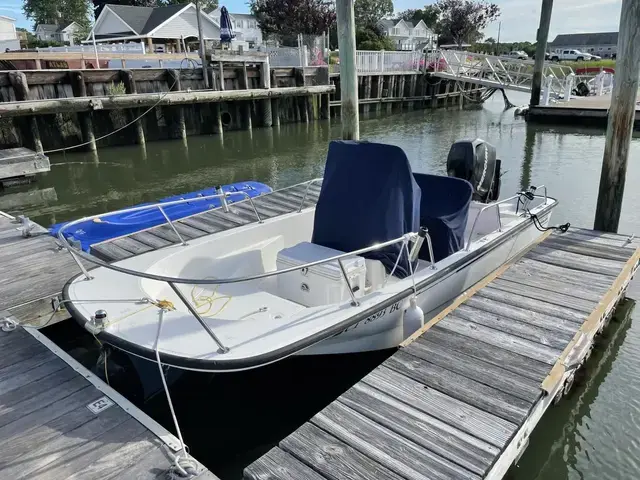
(172, 281)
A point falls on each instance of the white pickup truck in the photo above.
(572, 55)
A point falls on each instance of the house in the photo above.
(8, 35)
(603, 44)
(162, 29)
(407, 36)
(64, 33)
(245, 27)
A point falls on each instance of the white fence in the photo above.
(102, 48)
(381, 62)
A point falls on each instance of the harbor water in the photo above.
(229, 420)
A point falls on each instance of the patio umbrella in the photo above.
(226, 30)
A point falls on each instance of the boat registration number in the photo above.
(372, 318)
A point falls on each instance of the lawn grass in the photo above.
(595, 63)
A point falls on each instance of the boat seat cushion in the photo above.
(444, 207)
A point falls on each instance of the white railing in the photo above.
(382, 61)
(102, 48)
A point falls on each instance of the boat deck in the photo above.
(461, 397)
(240, 213)
(47, 428)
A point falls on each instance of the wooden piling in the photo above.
(217, 119)
(245, 111)
(367, 94)
(85, 119)
(348, 74)
(379, 92)
(401, 82)
(265, 82)
(275, 112)
(126, 77)
(620, 123)
(413, 80)
(391, 93)
(179, 126)
(20, 86)
(541, 49)
(324, 107)
(221, 75)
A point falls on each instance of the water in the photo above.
(592, 435)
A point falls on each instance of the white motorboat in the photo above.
(354, 273)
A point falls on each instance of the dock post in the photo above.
(348, 75)
(412, 89)
(126, 77)
(367, 93)
(391, 93)
(541, 49)
(401, 82)
(275, 112)
(173, 79)
(79, 88)
(20, 86)
(265, 82)
(246, 106)
(621, 117)
(379, 92)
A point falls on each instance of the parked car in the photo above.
(547, 56)
(572, 55)
(519, 54)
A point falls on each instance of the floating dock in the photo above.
(19, 165)
(461, 397)
(57, 419)
(587, 111)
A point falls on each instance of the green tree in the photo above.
(290, 17)
(205, 5)
(368, 12)
(429, 15)
(464, 20)
(370, 38)
(57, 12)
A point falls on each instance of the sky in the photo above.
(519, 18)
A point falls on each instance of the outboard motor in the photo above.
(476, 162)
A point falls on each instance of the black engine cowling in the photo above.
(476, 162)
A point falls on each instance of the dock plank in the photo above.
(581, 247)
(489, 399)
(530, 304)
(109, 252)
(444, 440)
(131, 245)
(576, 261)
(552, 339)
(491, 375)
(150, 239)
(398, 454)
(278, 464)
(567, 328)
(460, 415)
(44, 370)
(331, 457)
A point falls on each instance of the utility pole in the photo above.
(621, 117)
(541, 50)
(202, 50)
(93, 38)
(348, 77)
(498, 41)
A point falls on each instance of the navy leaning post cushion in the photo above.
(368, 196)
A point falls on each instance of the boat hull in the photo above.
(385, 328)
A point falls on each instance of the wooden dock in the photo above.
(240, 213)
(18, 165)
(587, 111)
(57, 419)
(461, 397)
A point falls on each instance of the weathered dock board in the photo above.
(20, 163)
(240, 213)
(461, 397)
(47, 429)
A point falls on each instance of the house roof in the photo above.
(144, 19)
(606, 38)
(47, 27)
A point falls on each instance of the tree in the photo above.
(57, 12)
(490, 40)
(368, 12)
(370, 38)
(429, 15)
(205, 5)
(290, 17)
(463, 20)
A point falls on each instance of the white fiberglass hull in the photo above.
(384, 329)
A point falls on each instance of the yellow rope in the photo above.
(200, 301)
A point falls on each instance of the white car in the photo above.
(519, 54)
(572, 55)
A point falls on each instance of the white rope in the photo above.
(183, 465)
(404, 242)
(413, 279)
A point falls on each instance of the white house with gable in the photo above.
(407, 36)
(161, 29)
(8, 34)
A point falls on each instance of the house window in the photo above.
(599, 49)
(395, 31)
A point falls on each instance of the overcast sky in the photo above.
(519, 17)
